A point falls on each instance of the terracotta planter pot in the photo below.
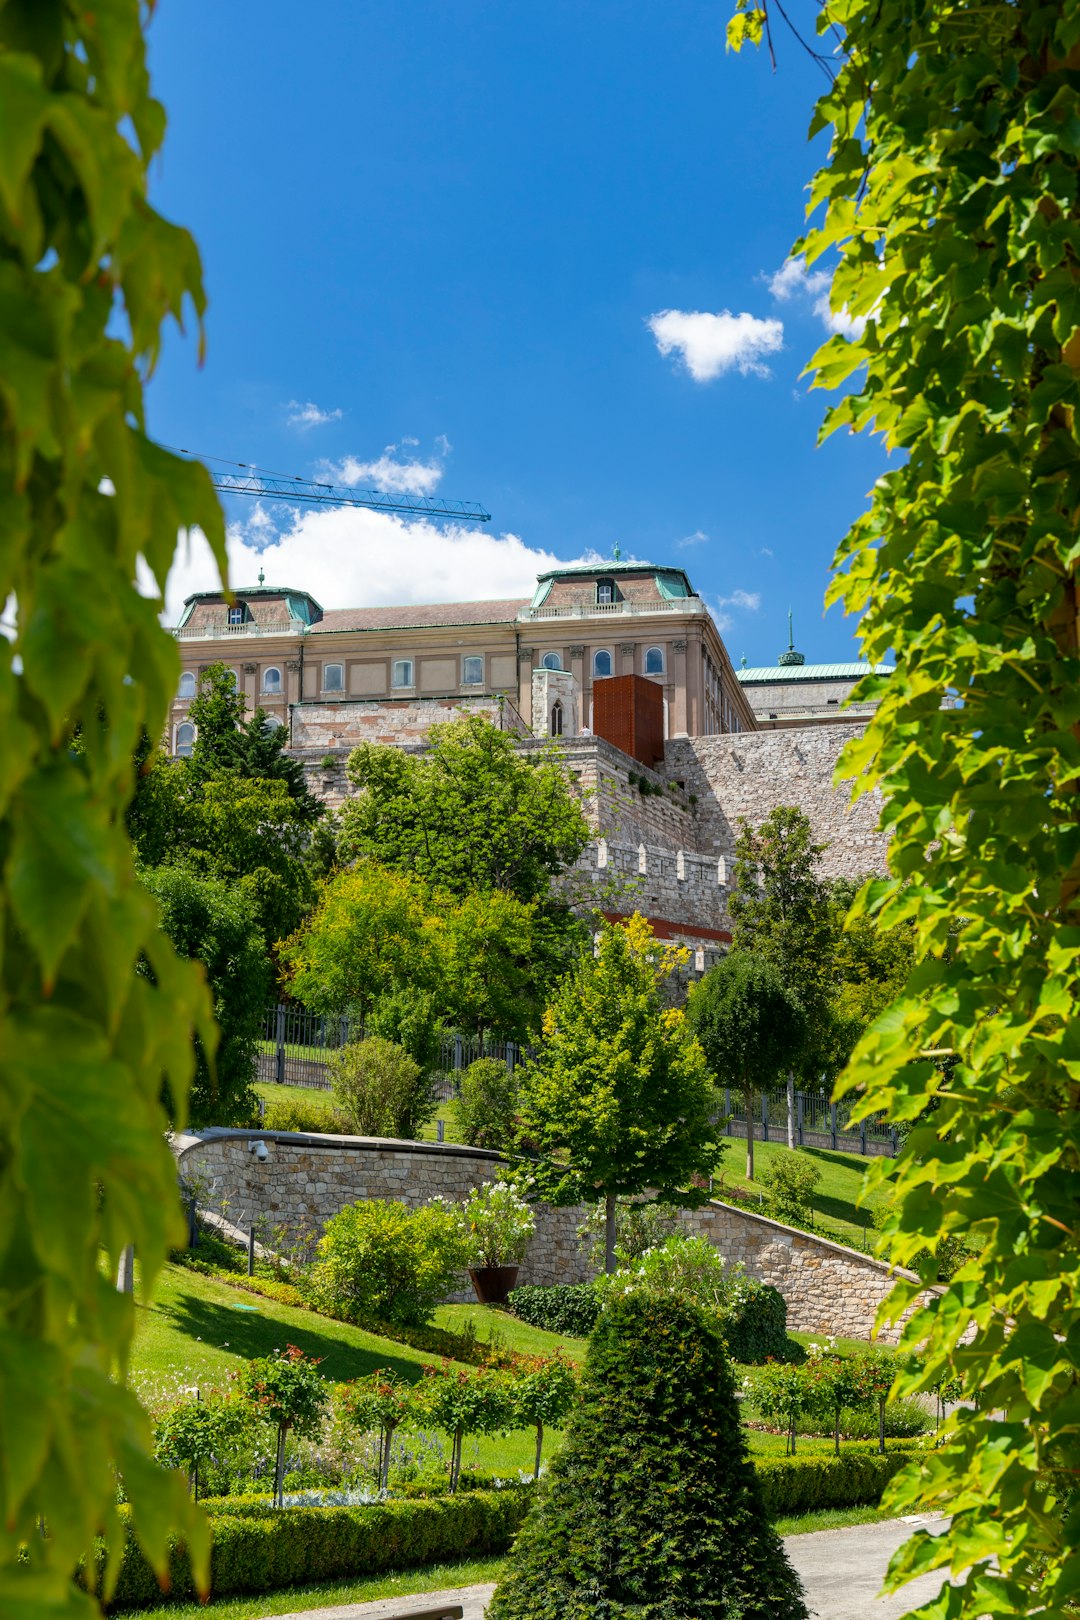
(493, 1283)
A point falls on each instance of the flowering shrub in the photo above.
(543, 1391)
(461, 1402)
(382, 1402)
(285, 1390)
(640, 1224)
(498, 1223)
(194, 1431)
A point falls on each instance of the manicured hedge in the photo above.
(570, 1308)
(259, 1551)
(755, 1326)
(804, 1484)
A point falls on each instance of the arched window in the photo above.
(233, 676)
(555, 726)
(185, 740)
(654, 661)
(271, 679)
(551, 661)
(187, 685)
(333, 678)
(271, 722)
(601, 664)
(402, 672)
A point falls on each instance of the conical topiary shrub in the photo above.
(651, 1510)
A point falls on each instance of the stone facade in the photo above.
(828, 1289)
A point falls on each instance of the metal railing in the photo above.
(817, 1122)
(297, 1046)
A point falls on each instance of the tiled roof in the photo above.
(420, 615)
(780, 674)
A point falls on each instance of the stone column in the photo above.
(526, 655)
(678, 717)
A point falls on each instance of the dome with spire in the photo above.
(789, 658)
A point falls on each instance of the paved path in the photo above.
(842, 1571)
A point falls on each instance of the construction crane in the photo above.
(241, 478)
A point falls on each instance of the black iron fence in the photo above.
(297, 1045)
(817, 1122)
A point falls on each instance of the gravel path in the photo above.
(842, 1571)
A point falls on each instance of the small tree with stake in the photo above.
(462, 1401)
(875, 1373)
(750, 1026)
(380, 1403)
(287, 1390)
(834, 1383)
(619, 1098)
(195, 1431)
(544, 1390)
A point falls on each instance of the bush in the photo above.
(409, 1017)
(379, 1259)
(754, 1324)
(257, 1550)
(565, 1308)
(486, 1110)
(301, 1111)
(904, 1420)
(791, 1485)
(381, 1090)
(790, 1179)
(652, 1506)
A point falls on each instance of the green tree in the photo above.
(381, 1403)
(652, 1506)
(195, 1431)
(750, 1025)
(780, 911)
(287, 1391)
(89, 271)
(543, 1392)
(213, 924)
(472, 814)
(230, 742)
(949, 199)
(465, 1400)
(618, 1098)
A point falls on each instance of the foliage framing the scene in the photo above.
(88, 273)
(950, 195)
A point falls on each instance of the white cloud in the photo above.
(348, 556)
(395, 475)
(796, 281)
(742, 601)
(698, 538)
(308, 415)
(712, 344)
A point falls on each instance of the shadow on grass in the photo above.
(249, 1334)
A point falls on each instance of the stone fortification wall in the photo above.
(750, 773)
(828, 1289)
(674, 884)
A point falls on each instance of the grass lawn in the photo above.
(836, 1196)
(269, 1091)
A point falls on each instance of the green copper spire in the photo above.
(787, 659)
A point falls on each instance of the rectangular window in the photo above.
(236, 615)
(402, 672)
(605, 592)
(472, 672)
(333, 677)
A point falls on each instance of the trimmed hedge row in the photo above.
(570, 1308)
(257, 1551)
(805, 1484)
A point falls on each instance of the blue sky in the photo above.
(445, 229)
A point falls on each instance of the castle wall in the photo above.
(828, 1288)
(748, 775)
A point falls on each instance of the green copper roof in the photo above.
(782, 675)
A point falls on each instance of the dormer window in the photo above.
(605, 592)
(237, 614)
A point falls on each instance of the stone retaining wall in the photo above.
(828, 1288)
